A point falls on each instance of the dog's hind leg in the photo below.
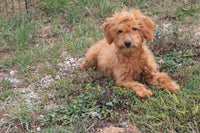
(162, 80)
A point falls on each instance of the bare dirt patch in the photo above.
(113, 129)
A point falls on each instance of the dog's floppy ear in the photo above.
(147, 28)
(107, 32)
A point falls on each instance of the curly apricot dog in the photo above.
(124, 56)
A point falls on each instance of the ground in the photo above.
(41, 88)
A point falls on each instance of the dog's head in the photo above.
(128, 29)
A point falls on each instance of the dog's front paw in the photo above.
(144, 93)
(82, 65)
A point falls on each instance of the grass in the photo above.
(53, 96)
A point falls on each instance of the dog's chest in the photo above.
(131, 68)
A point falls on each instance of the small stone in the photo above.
(12, 73)
(57, 77)
(12, 80)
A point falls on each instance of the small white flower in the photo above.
(166, 26)
(125, 124)
(42, 116)
(47, 63)
(178, 65)
(94, 114)
(161, 61)
(38, 129)
(23, 91)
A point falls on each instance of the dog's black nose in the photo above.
(127, 43)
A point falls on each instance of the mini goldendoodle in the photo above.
(124, 56)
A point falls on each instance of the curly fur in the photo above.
(123, 54)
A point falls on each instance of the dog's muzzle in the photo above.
(127, 43)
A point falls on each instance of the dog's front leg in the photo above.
(91, 57)
(139, 88)
(90, 61)
(84, 65)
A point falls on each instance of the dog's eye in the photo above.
(120, 31)
(134, 28)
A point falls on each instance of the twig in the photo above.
(26, 6)
(6, 8)
(33, 3)
(91, 126)
(19, 5)
(13, 7)
(189, 56)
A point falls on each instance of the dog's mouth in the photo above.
(133, 45)
(126, 47)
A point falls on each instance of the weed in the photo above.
(6, 89)
(23, 36)
(186, 9)
(24, 61)
(17, 35)
(174, 60)
(84, 107)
